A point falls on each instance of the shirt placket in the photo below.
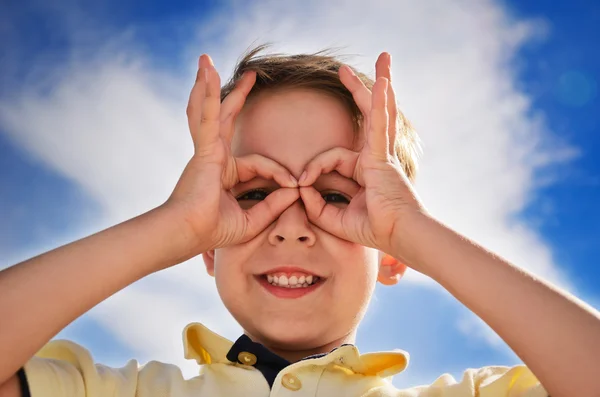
(297, 381)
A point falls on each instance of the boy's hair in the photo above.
(319, 71)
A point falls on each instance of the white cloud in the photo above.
(116, 126)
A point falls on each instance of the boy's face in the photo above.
(292, 127)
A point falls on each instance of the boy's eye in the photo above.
(248, 199)
(335, 198)
(253, 195)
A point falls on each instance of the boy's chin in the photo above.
(283, 333)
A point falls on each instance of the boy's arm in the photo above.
(42, 295)
(555, 334)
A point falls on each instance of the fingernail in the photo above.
(210, 60)
(294, 181)
(350, 70)
(302, 177)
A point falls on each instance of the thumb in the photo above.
(325, 216)
(265, 212)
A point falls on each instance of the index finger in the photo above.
(360, 93)
(234, 102)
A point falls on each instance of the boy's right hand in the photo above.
(202, 195)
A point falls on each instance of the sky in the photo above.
(504, 95)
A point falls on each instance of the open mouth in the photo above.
(290, 285)
(291, 281)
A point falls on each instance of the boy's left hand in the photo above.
(376, 215)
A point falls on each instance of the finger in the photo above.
(265, 212)
(326, 216)
(360, 93)
(255, 165)
(210, 109)
(234, 102)
(377, 137)
(337, 159)
(383, 68)
(194, 108)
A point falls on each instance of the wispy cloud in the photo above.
(116, 126)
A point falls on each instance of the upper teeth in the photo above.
(293, 281)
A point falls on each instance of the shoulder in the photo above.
(69, 369)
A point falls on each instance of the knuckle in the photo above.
(190, 110)
(207, 120)
(339, 151)
(313, 167)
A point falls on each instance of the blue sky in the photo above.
(562, 75)
(68, 166)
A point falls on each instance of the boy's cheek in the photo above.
(348, 252)
(237, 257)
(340, 255)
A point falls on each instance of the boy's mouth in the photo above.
(289, 282)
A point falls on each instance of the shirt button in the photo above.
(291, 382)
(247, 358)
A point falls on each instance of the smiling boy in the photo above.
(299, 199)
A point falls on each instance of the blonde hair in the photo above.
(319, 71)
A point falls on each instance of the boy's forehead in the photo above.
(292, 127)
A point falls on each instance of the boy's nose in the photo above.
(292, 226)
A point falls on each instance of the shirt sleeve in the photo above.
(493, 381)
(65, 369)
(513, 381)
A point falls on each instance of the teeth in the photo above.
(295, 281)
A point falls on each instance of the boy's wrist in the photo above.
(415, 235)
(181, 242)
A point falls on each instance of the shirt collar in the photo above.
(207, 347)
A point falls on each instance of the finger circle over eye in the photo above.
(337, 159)
(264, 213)
(326, 216)
(255, 165)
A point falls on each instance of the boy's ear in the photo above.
(391, 270)
(209, 261)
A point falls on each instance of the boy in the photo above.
(296, 250)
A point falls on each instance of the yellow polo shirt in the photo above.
(66, 369)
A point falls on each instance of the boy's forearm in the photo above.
(555, 334)
(42, 295)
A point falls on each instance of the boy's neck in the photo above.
(293, 355)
